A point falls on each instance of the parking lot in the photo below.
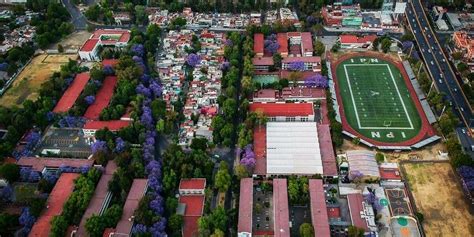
(69, 142)
(263, 210)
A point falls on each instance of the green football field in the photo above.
(376, 101)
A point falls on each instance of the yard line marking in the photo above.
(399, 95)
(352, 95)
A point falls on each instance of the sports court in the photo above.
(376, 101)
(265, 79)
(398, 202)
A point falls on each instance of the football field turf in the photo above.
(376, 100)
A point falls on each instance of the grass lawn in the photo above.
(29, 81)
(439, 199)
(376, 100)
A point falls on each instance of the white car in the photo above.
(440, 82)
(432, 63)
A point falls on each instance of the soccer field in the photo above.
(376, 101)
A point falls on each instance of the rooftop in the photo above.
(354, 39)
(195, 183)
(312, 59)
(72, 93)
(293, 148)
(327, 150)
(89, 45)
(102, 98)
(245, 206)
(319, 214)
(364, 162)
(137, 191)
(98, 199)
(356, 208)
(58, 196)
(38, 164)
(283, 109)
(112, 125)
(280, 207)
(262, 61)
(258, 43)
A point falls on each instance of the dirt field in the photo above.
(27, 84)
(74, 40)
(439, 199)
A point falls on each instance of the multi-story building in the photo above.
(465, 44)
(116, 38)
(310, 63)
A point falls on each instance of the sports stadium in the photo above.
(377, 102)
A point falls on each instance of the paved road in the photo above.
(437, 63)
(77, 18)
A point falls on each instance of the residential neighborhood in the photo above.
(260, 118)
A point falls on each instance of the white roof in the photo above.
(400, 7)
(293, 148)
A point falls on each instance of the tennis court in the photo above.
(376, 101)
(265, 79)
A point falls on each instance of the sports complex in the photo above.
(377, 102)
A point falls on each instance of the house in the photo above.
(116, 38)
(356, 42)
(465, 44)
(191, 204)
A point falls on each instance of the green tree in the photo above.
(277, 60)
(306, 230)
(218, 233)
(95, 226)
(319, 48)
(241, 172)
(10, 172)
(223, 179)
(335, 48)
(60, 48)
(199, 143)
(457, 55)
(355, 231)
(175, 222)
(462, 67)
(386, 43)
(140, 14)
(379, 157)
(59, 225)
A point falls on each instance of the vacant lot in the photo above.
(439, 199)
(73, 41)
(28, 83)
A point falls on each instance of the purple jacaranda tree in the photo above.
(355, 175)
(89, 99)
(157, 205)
(248, 158)
(317, 80)
(296, 66)
(466, 172)
(272, 47)
(145, 78)
(26, 219)
(139, 229)
(158, 228)
(225, 66)
(50, 116)
(6, 193)
(406, 45)
(71, 122)
(229, 43)
(119, 145)
(108, 70)
(155, 88)
(99, 146)
(146, 117)
(193, 60)
(415, 55)
(68, 81)
(138, 50)
(143, 90)
(50, 177)
(97, 83)
(311, 20)
(3, 66)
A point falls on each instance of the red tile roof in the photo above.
(137, 191)
(258, 43)
(319, 214)
(98, 199)
(280, 208)
(266, 93)
(390, 174)
(112, 125)
(102, 98)
(124, 34)
(312, 59)
(72, 93)
(262, 61)
(195, 183)
(190, 226)
(89, 45)
(245, 205)
(109, 62)
(334, 212)
(282, 39)
(327, 150)
(38, 164)
(194, 204)
(302, 92)
(260, 148)
(353, 39)
(283, 109)
(355, 207)
(307, 42)
(61, 192)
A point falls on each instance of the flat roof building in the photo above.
(117, 38)
(293, 148)
(280, 208)
(191, 204)
(39, 164)
(72, 93)
(102, 98)
(319, 213)
(258, 44)
(244, 226)
(289, 112)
